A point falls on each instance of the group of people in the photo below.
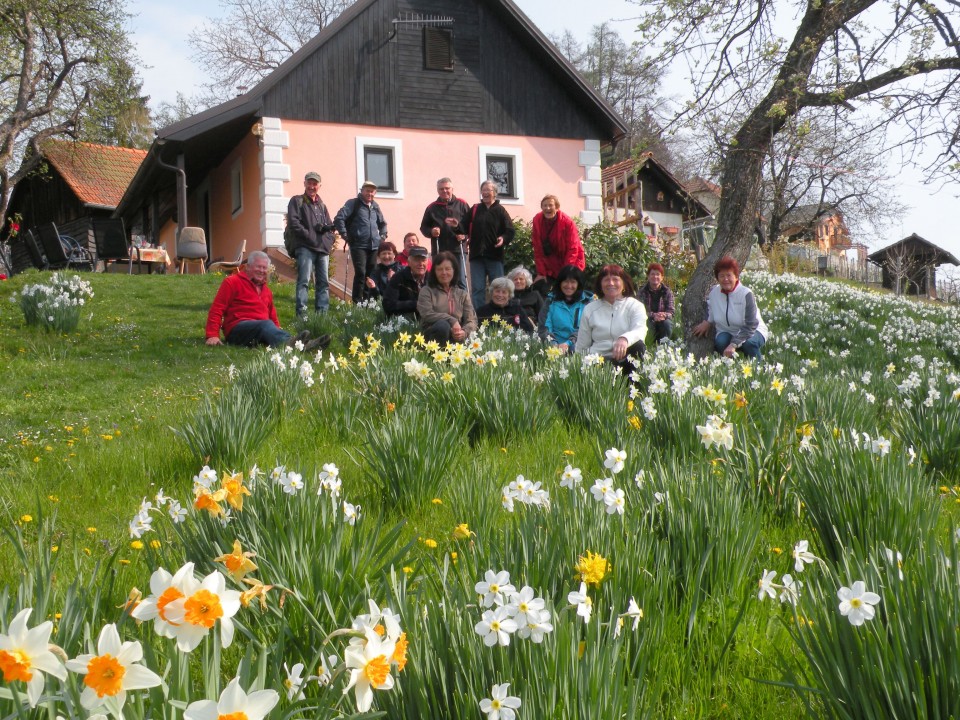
(611, 319)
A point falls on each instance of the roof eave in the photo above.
(619, 127)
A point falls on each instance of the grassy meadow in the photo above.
(714, 539)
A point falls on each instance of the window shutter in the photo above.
(437, 48)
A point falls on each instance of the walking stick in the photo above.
(463, 266)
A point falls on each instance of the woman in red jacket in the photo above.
(556, 242)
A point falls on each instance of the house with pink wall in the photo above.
(400, 92)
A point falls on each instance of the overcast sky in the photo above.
(160, 31)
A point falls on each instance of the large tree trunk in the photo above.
(736, 220)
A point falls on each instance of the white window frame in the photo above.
(512, 152)
(236, 184)
(392, 144)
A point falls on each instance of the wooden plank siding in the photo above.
(502, 81)
(350, 79)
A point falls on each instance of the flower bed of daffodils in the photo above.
(508, 532)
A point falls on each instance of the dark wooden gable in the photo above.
(502, 81)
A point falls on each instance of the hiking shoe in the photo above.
(319, 343)
(301, 337)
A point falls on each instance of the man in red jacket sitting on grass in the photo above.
(244, 308)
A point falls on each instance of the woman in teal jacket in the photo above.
(559, 319)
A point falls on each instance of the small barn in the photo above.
(910, 266)
(641, 191)
(400, 92)
(76, 183)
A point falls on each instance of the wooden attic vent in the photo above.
(437, 48)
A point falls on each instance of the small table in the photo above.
(151, 256)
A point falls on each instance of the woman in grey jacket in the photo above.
(445, 310)
(732, 311)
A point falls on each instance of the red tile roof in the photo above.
(98, 174)
(699, 184)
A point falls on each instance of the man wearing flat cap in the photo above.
(313, 237)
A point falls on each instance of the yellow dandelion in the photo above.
(26, 518)
(137, 545)
(430, 543)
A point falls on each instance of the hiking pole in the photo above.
(463, 267)
(345, 270)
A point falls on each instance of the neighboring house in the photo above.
(910, 265)
(401, 92)
(821, 227)
(643, 192)
(708, 193)
(77, 182)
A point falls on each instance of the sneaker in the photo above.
(319, 343)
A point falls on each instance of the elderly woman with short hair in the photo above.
(529, 298)
(732, 312)
(505, 307)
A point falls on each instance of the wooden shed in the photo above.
(910, 265)
(77, 182)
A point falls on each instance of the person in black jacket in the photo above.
(529, 298)
(503, 306)
(491, 230)
(313, 240)
(361, 224)
(446, 222)
(386, 267)
(401, 294)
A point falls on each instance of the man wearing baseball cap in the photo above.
(401, 293)
(312, 228)
(360, 222)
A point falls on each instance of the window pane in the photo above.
(500, 170)
(236, 189)
(378, 166)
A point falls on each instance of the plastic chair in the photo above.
(192, 248)
(110, 236)
(229, 266)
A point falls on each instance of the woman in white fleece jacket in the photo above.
(614, 325)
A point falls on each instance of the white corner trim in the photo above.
(590, 189)
(274, 175)
(397, 147)
(517, 155)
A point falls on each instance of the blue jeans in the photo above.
(482, 269)
(257, 332)
(364, 263)
(751, 348)
(660, 328)
(307, 259)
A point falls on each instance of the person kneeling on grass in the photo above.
(732, 311)
(244, 309)
(445, 310)
(502, 305)
(559, 321)
(614, 326)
